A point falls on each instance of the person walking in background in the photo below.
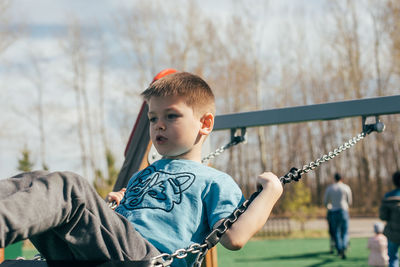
(390, 212)
(337, 199)
(377, 245)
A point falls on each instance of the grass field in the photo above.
(293, 252)
(310, 252)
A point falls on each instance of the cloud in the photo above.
(58, 12)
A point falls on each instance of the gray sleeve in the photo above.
(349, 196)
(326, 197)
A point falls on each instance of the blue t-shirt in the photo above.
(175, 203)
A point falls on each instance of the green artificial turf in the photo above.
(293, 252)
(310, 252)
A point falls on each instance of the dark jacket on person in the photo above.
(390, 212)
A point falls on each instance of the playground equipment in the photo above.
(371, 107)
(139, 146)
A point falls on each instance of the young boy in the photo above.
(171, 204)
(378, 246)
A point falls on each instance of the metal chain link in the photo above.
(351, 142)
(295, 174)
(235, 140)
(166, 259)
(210, 241)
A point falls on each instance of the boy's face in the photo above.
(175, 129)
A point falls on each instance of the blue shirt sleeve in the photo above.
(223, 197)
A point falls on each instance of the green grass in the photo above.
(21, 249)
(310, 252)
(293, 252)
(29, 253)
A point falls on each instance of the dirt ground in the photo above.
(359, 227)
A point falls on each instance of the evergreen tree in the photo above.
(297, 203)
(25, 164)
(105, 183)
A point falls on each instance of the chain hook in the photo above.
(378, 126)
(236, 139)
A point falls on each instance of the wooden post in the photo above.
(211, 259)
(1, 255)
(145, 161)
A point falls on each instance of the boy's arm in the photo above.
(256, 215)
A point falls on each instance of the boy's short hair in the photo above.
(396, 178)
(195, 90)
(337, 177)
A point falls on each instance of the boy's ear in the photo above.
(207, 124)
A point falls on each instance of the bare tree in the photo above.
(37, 79)
(388, 19)
(352, 72)
(103, 58)
(247, 74)
(76, 49)
(7, 34)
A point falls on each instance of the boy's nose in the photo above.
(160, 126)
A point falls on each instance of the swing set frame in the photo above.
(363, 108)
(139, 143)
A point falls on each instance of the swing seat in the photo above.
(36, 263)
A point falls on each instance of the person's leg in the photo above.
(344, 231)
(393, 253)
(331, 233)
(336, 224)
(66, 219)
(345, 228)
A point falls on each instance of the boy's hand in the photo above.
(256, 215)
(270, 181)
(116, 196)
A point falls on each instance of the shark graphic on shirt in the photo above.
(154, 189)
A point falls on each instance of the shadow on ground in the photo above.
(323, 258)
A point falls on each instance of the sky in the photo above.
(45, 20)
(56, 12)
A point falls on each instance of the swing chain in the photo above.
(235, 139)
(166, 259)
(214, 237)
(295, 174)
(211, 240)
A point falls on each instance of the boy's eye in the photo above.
(172, 116)
(152, 119)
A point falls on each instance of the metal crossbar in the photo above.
(366, 107)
